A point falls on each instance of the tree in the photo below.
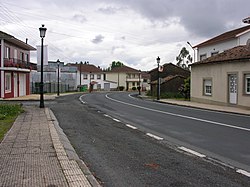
(116, 64)
(184, 58)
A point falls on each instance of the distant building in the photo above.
(67, 78)
(171, 79)
(124, 76)
(15, 66)
(90, 77)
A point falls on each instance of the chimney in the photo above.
(26, 40)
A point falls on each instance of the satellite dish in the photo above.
(246, 20)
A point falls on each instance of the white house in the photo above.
(90, 77)
(222, 42)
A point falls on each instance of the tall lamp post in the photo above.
(42, 35)
(192, 48)
(58, 65)
(139, 88)
(158, 78)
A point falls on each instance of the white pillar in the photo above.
(2, 71)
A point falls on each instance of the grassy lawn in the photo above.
(8, 114)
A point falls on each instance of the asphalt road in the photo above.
(121, 156)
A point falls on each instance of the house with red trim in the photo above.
(15, 66)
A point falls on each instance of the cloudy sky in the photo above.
(134, 32)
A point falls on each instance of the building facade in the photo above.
(223, 79)
(15, 66)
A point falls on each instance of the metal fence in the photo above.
(51, 87)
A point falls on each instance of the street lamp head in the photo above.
(42, 31)
(58, 62)
(158, 60)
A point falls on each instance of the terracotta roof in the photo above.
(238, 53)
(225, 36)
(124, 69)
(87, 68)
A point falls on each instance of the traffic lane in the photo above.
(119, 156)
(228, 142)
(220, 117)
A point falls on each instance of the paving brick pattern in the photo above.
(28, 156)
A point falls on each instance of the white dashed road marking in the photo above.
(154, 136)
(130, 126)
(192, 152)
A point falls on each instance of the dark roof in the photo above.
(225, 36)
(87, 68)
(168, 78)
(165, 67)
(124, 69)
(16, 41)
(239, 53)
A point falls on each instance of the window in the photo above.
(214, 53)
(99, 76)
(202, 57)
(207, 87)
(22, 56)
(133, 83)
(7, 52)
(27, 58)
(91, 76)
(247, 83)
(85, 76)
(7, 82)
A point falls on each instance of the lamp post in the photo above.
(80, 75)
(58, 65)
(90, 85)
(192, 48)
(158, 78)
(42, 35)
(139, 88)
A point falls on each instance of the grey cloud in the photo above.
(202, 18)
(108, 10)
(79, 18)
(98, 39)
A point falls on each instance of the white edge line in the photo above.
(192, 152)
(117, 120)
(106, 115)
(131, 126)
(154, 136)
(243, 172)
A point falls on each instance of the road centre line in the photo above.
(191, 151)
(243, 172)
(131, 126)
(154, 136)
(179, 115)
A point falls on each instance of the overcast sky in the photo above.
(134, 32)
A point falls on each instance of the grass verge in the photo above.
(8, 114)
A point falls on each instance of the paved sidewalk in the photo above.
(32, 154)
(230, 109)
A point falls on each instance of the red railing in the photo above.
(12, 62)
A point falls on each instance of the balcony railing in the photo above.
(12, 62)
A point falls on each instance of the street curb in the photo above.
(197, 107)
(70, 151)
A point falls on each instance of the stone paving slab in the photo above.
(32, 155)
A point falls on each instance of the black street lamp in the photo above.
(58, 65)
(80, 75)
(139, 88)
(42, 35)
(158, 78)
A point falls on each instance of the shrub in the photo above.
(134, 88)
